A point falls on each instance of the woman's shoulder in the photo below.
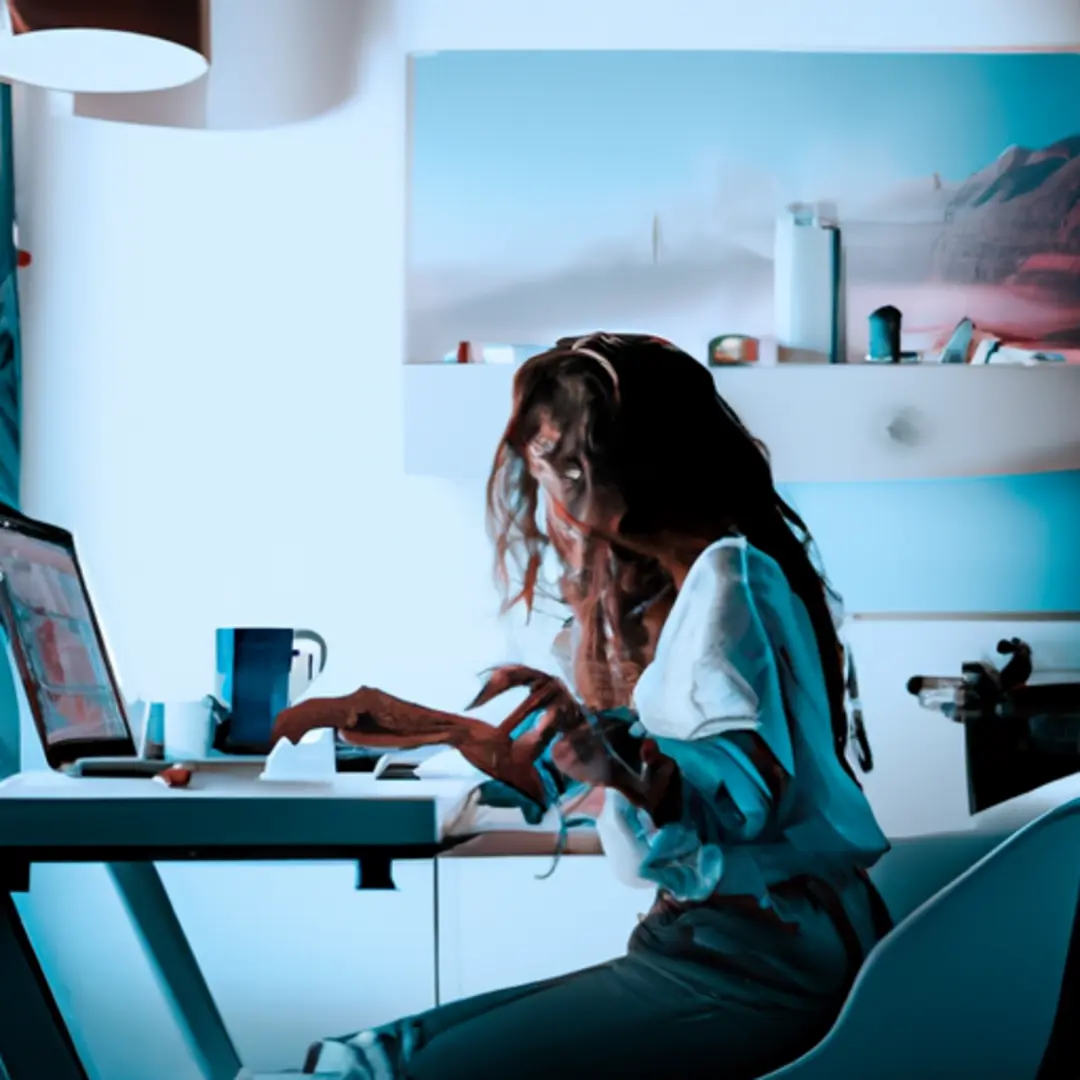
(733, 563)
(734, 558)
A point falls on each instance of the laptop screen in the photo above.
(55, 639)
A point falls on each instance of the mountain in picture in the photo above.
(1017, 223)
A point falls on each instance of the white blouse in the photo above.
(738, 654)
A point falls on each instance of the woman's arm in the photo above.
(369, 717)
(716, 711)
(718, 795)
(664, 796)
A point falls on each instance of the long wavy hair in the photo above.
(638, 424)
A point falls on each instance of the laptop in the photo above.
(63, 663)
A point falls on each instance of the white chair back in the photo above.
(968, 983)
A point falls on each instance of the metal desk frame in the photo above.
(35, 1042)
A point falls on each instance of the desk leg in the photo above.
(144, 895)
(34, 1040)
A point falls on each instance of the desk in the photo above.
(130, 824)
(45, 818)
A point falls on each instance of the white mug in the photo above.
(308, 661)
(188, 728)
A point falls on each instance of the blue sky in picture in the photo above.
(577, 138)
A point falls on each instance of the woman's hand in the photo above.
(581, 755)
(369, 717)
(562, 720)
(374, 718)
(581, 745)
(341, 713)
(585, 753)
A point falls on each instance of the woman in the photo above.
(709, 707)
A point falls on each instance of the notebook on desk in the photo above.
(63, 663)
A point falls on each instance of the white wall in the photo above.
(213, 332)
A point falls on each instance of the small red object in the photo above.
(22, 259)
(175, 776)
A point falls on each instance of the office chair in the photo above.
(968, 984)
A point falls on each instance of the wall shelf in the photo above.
(850, 422)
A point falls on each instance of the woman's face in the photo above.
(557, 478)
(571, 502)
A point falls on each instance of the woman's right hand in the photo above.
(343, 714)
(370, 717)
(374, 718)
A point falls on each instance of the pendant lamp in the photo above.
(128, 47)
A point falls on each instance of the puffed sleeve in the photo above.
(713, 682)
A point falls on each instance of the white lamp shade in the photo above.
(91, 61)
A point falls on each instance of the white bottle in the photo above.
(806, 281)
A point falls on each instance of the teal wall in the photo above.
(10, 401)
(10, 350)
(997, 544)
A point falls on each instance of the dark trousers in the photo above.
(723, 993)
